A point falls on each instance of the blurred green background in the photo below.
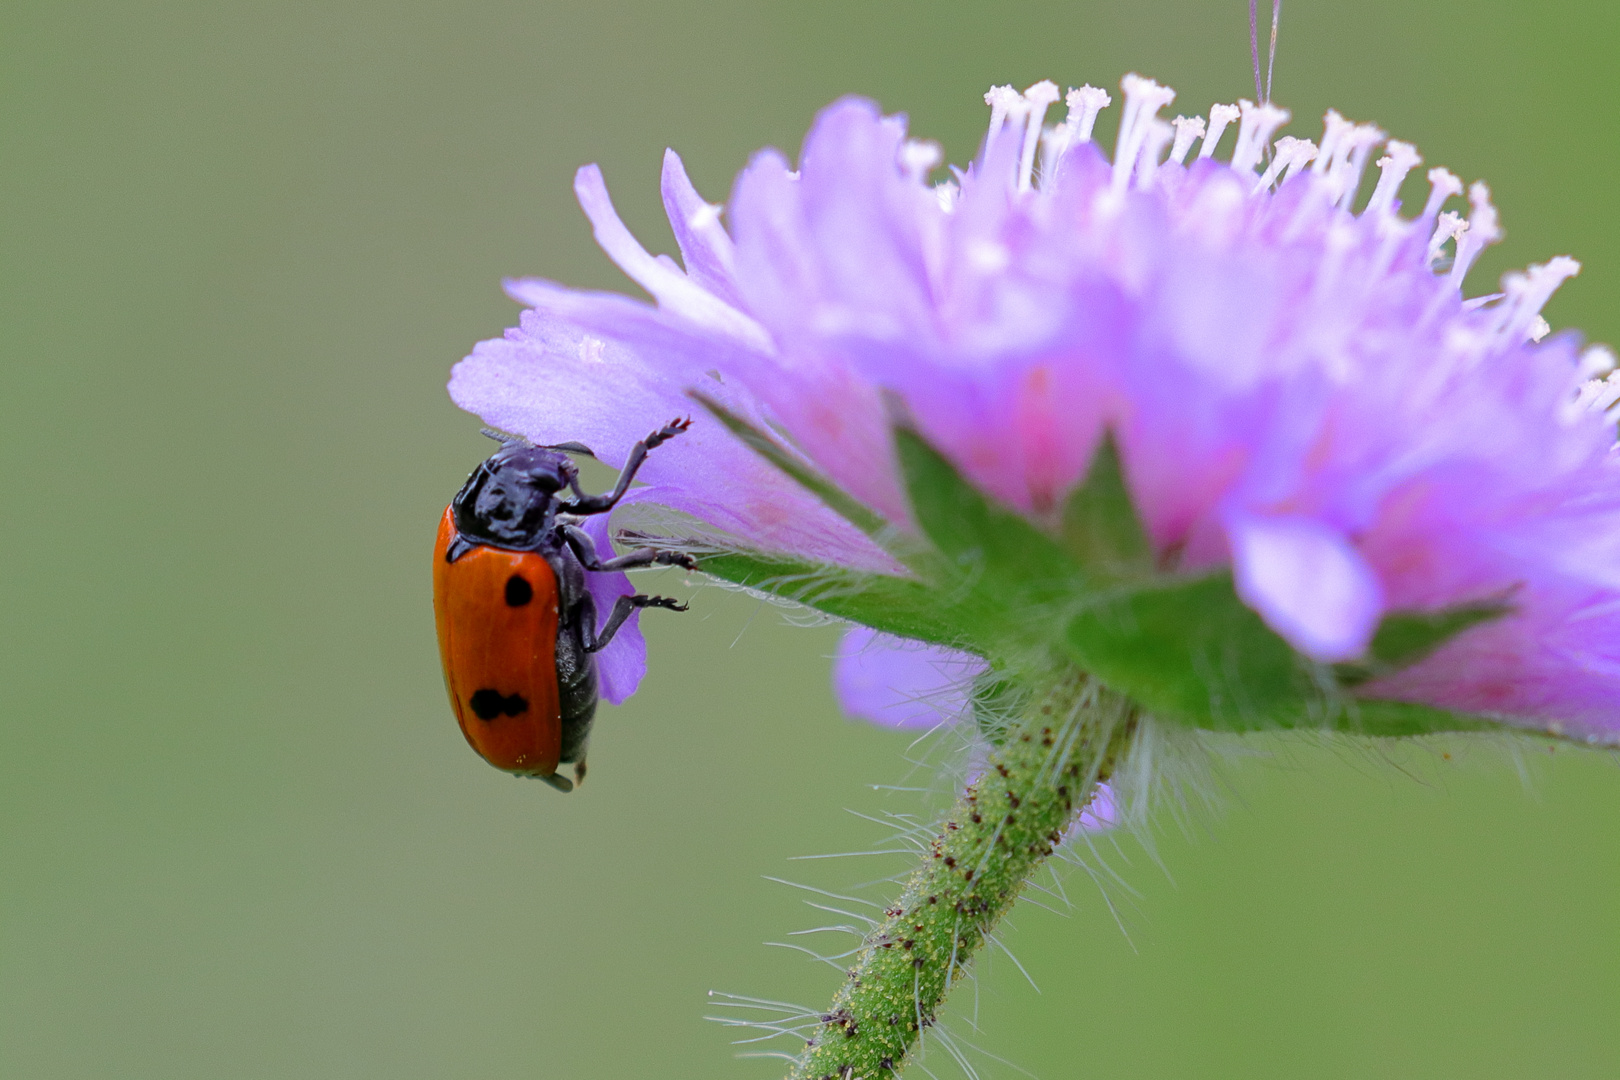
(240, 835)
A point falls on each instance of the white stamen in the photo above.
(1483, 230)
(1259, 123)
(1291, 153)
(1143, 100)
(1002, 100)
(1158, 137)
(1596, 361)
(947, 192)
(1598, 395)
(1219, 117)
(1187, 131)
(1393, 167)
(1037, 99)
(1084, 105)
(1443, 184)
(1303, 156)
(919, 157)
(1527, 293)
(1610, 393)
(1361, 141)
(1334, 130)
(1448, 225)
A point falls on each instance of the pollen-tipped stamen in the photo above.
(1188, 131)
(1220, 118)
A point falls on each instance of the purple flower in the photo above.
(903, 684)
(1299, 391)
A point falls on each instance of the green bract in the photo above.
(985, 579)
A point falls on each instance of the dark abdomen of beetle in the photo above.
(576, 690)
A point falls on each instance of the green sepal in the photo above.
(1404, 719)
(989, 549)
(895, 605)
(1404, 638)
(992, 583)
(1190, 650)
(1101, 529)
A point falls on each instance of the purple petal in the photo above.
(672, 289)
(552, 383)
(902, 684)
(1101, 813)
(623, 662)
(1308, 583)
(706, 248)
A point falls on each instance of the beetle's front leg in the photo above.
(584, 548)
(596, 504)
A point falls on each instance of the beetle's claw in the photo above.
(667, 432)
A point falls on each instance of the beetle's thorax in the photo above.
(510, 500)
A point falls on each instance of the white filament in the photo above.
(1143, 100)
(1254, 132)
(1443, 184)
(1393, 167)
(1484, 230)
(1037, 99)
(1291, 154)
(1220, 116)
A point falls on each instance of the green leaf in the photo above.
(868, 521)
(1100, 526)
(1404, 638)
(1192, 651)
(991, 549)
(895, 605)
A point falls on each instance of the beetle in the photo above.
(517, 626)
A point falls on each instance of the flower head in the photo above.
(1298, 392)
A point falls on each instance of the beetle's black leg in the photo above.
(585, 549)
(596, 504)
(561, 783)
(622, 607)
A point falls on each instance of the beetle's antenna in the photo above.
(503, 438)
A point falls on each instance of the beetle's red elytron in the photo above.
(517, 626)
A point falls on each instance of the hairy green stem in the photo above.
(1000, 832)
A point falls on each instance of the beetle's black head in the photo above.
(510, 500)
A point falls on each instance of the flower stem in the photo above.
(1000, 832)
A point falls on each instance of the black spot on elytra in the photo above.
(518, 591)
(488, 704)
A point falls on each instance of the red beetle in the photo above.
(517, 626)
